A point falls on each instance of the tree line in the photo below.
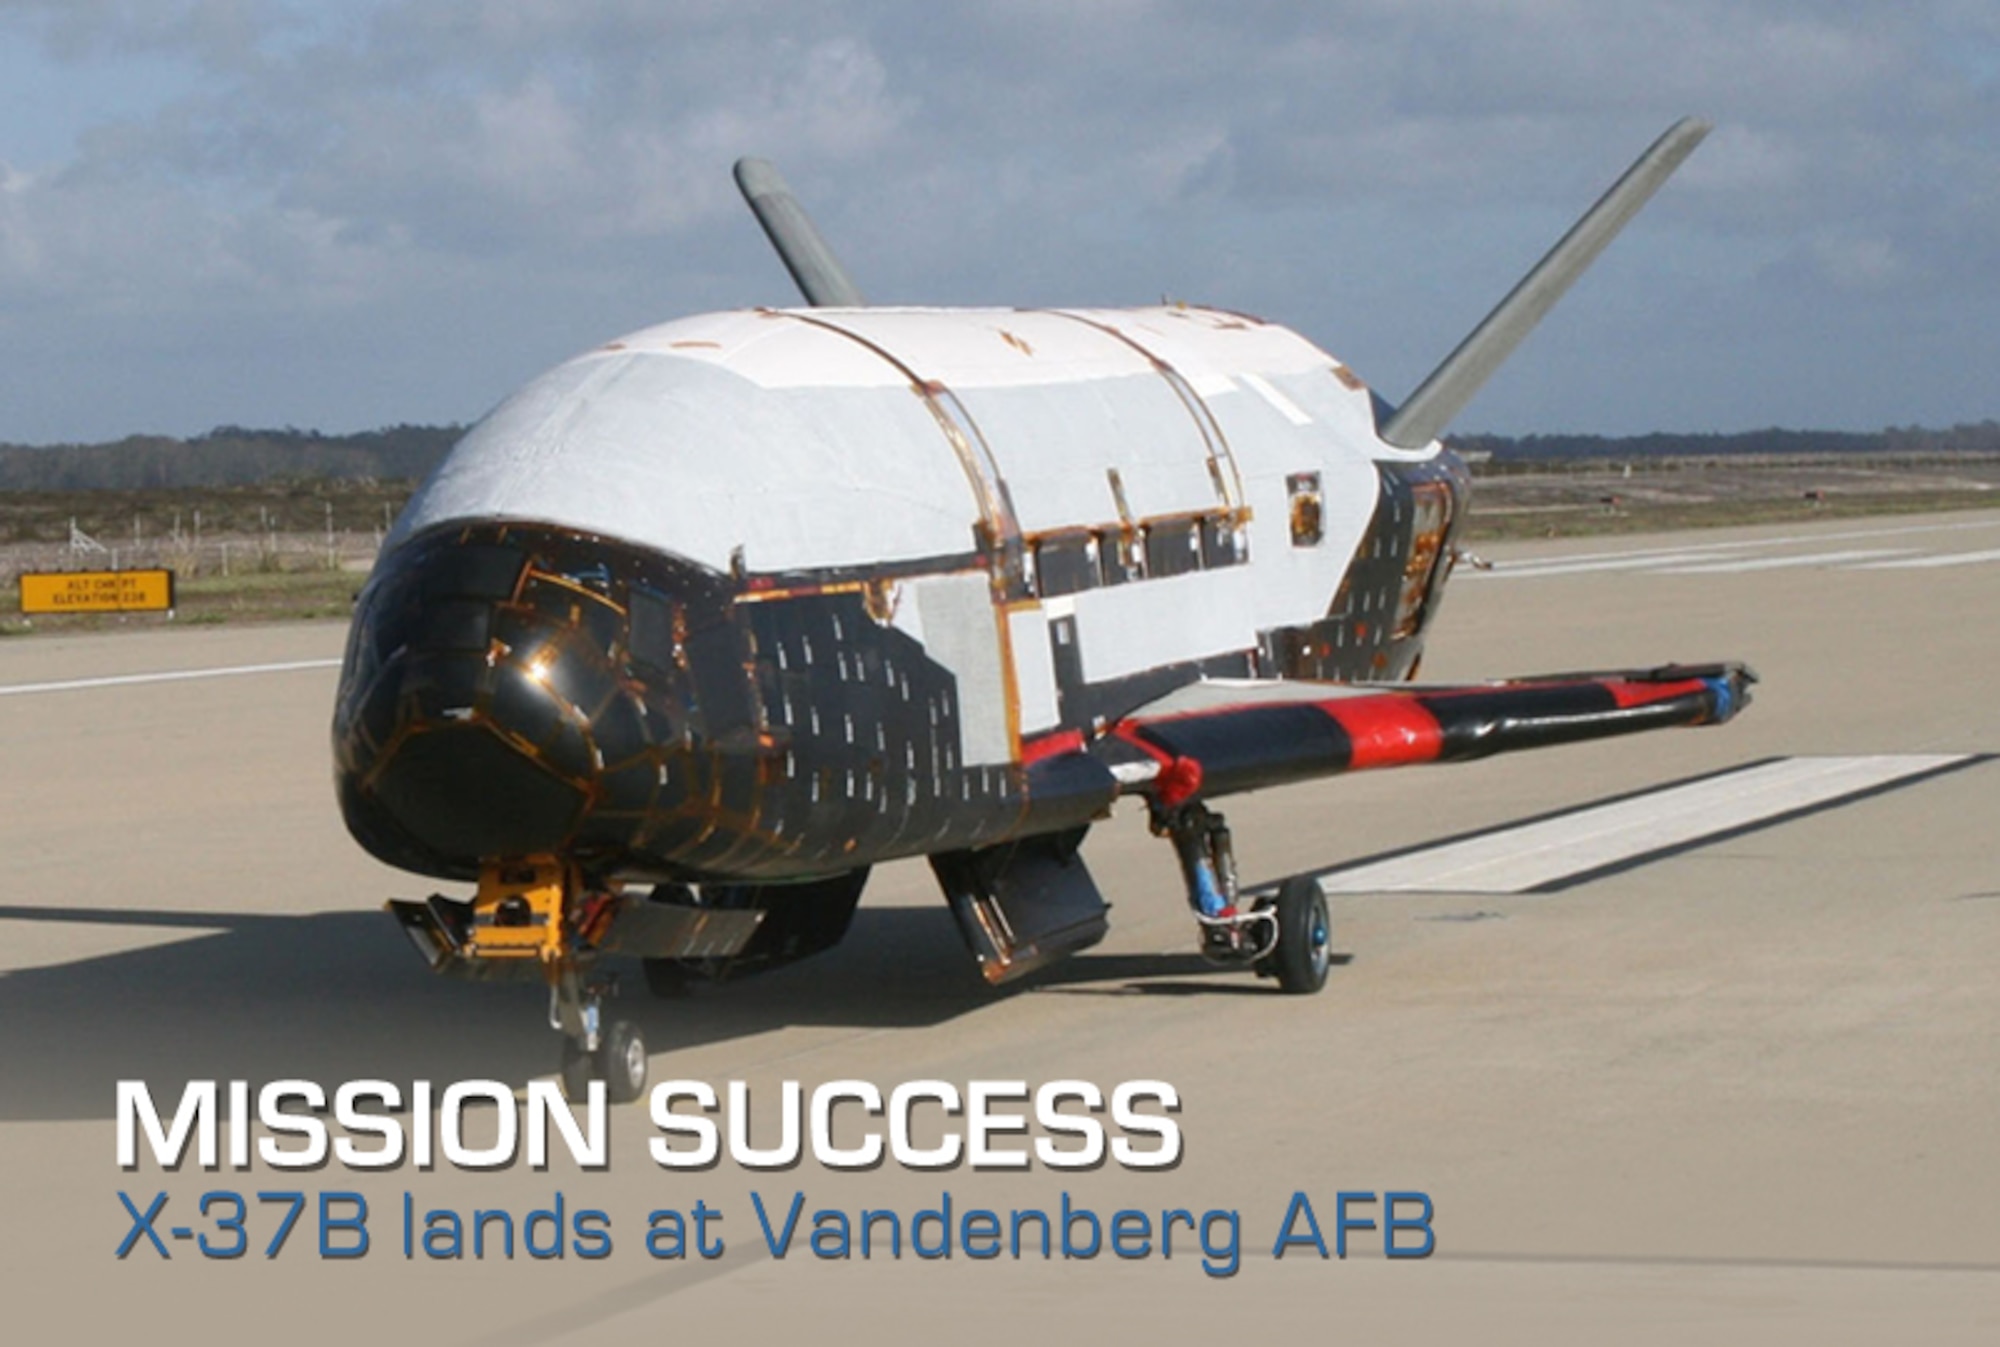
(1900, 441)
(235, 456)
(226, 456)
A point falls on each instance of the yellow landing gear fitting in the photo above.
(536, 918)
(542, 918)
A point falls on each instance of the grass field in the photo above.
(1582, 521)
(121, 518)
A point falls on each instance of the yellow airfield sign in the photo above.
(97, 592)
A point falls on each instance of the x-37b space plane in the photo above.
(697, 627)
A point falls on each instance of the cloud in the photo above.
(440, 195)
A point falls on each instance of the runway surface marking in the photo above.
(167, 676)
(1545, 854)
(1739, 564)
(1948, 559)
(1755, 554)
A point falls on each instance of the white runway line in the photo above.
(1649, 558)
(1634, 554)
(1786, 563)
(1538, 855)
(1648, 561)
(169, 676)
(1945, 559)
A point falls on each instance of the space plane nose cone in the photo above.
(515, 688)
(454, 740)
(469, 792)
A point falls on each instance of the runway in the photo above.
(1740, 1088)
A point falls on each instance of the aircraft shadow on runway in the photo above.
(340, 996)
(1153, 975)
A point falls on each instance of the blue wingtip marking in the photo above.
(1725, 699)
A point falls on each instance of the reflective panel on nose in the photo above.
(498, 699)
(467, 792)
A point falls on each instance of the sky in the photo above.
(345, 214)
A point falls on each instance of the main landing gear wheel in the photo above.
(619, 1061)
(1305, 938)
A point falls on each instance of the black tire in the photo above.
(578, 1070)
(1305, 937)
(621, 1060)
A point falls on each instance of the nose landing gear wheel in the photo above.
(620, 1062)
(1305, 938)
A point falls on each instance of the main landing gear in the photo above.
(1287, 935)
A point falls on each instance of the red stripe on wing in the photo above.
(1387, 731)
(1629, 694)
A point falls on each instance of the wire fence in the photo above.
(227, 555)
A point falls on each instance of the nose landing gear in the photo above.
(537, 918)
(614, 1054)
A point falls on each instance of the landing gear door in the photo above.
(1023, 904)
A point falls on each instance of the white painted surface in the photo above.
(1217, 694)
(1056, 446)
(1212, 349)
(971, 349)
(799, 438)
(1034, 669)
(695, 461)
(1268, 391)
(1131, 628)
(1519, 859)
(962, 633)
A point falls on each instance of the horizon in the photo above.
(237, 431)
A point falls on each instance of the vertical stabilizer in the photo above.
(821, 278)
(1452, 384)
